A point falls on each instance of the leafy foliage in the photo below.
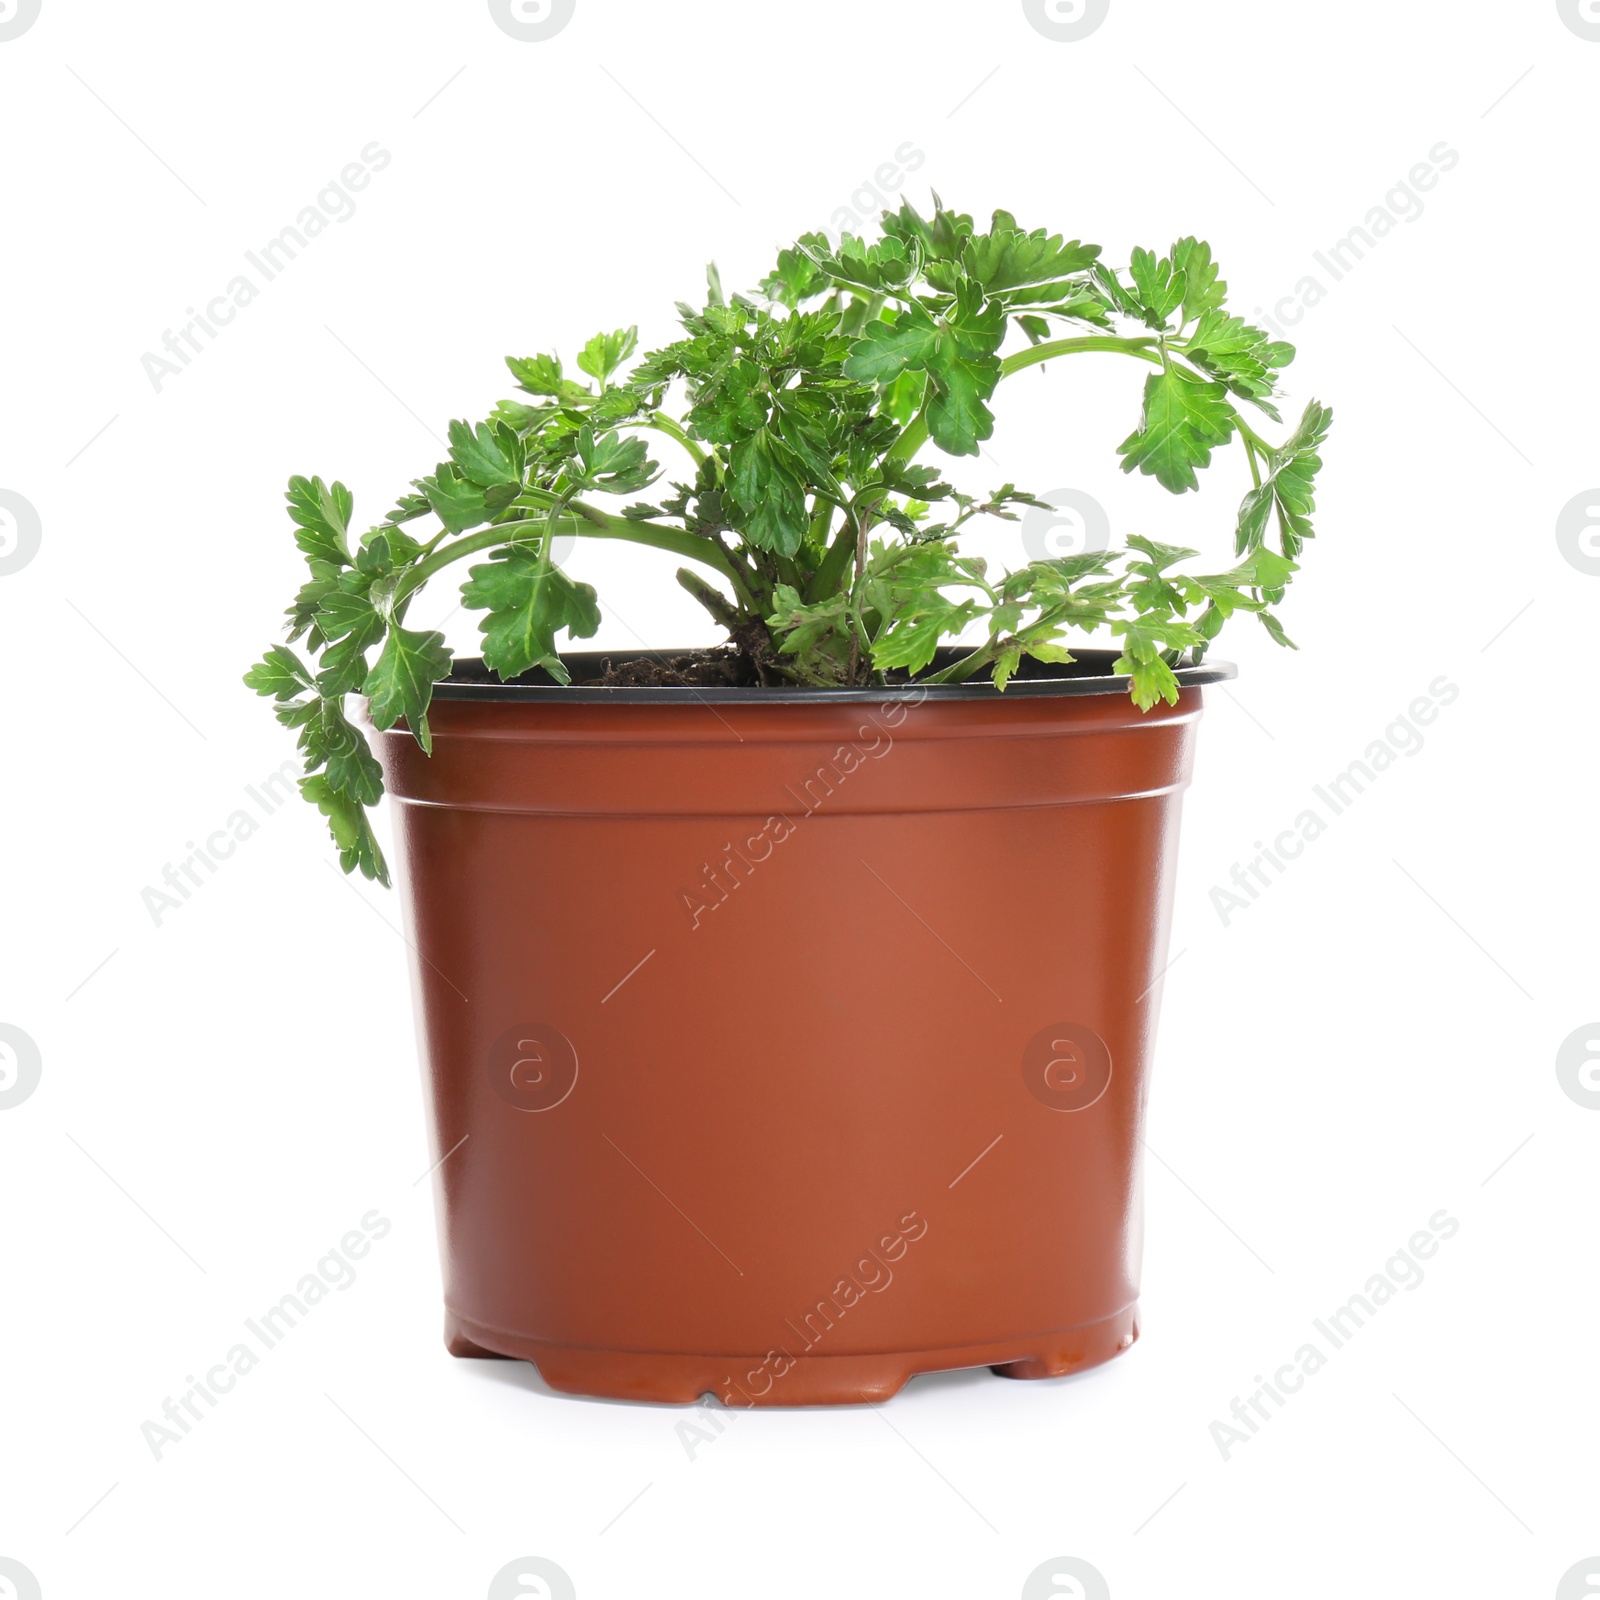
(828, 550)
(1183, 422)
(527, 600)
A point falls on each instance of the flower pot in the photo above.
(783, 1044)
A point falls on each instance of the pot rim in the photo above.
(1089, 674)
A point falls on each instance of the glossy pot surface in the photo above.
(781, 1049)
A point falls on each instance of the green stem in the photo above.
(915, 434)
(860, 643)
(1153, 350)
(588, 523)
(665, 424)
(433, 544)
(1145, 349)
(831, 570)
(967, 666)
(726, 614)
(912, 439)
(1250, 436)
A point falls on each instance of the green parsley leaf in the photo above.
(352, 833)
(1183, 422)
(1146, 641)
(611, 464)
(770, 490)
(541, 375)
(487, 455)
(279, 673)
(402, 679)
(888, 348)
(1161, 290)
(322, 518)
(606, 352)
(1288, 486)
(1008, 258)
(1203, 290)
(529, 600)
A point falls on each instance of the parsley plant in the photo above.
(818, 539)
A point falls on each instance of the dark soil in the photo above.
(747, 661)
(728, 666)
(719, 668)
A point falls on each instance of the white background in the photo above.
(1374, 1039)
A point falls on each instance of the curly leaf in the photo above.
(1287, 487)
(279, 673)
(528, 601)
(347, 822)
(886, 349)
(1183, 422)
(611, 464)
(541, 375)
(1009, 259)
(1160, 288)
(402, 679)
(771, 492)
(1145, 642)
(607, 351)
(486, 455)
(322, 518)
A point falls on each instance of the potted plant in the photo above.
(786, 1006)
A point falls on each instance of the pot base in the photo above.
(807, 1380)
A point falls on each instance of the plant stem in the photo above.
(726, 614)
(915, 434)
(1250, 436)
(588, 523)
(664, 424)
(1250, 456)
(1033, 357)
(967, 666)
(858, 637)
(912, 439)
(831, 569)
(433, 544)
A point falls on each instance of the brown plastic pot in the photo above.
(782, 1044)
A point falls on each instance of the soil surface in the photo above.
(718, 668)
(728, 666)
